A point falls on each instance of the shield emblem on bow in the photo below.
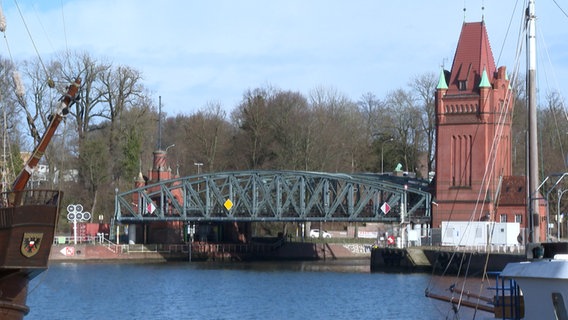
(31, 243)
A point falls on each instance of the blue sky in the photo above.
(194, 52)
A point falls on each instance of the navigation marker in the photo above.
(228, 204)
(385, 208)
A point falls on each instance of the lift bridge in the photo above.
(278, 196)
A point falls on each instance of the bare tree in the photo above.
(120, 90)
(252, 118)
(95, 171)
(138, 128)
(105, 94)
(553, 130)
(89, 109)
(376, 120)
(425, 87)
(406, 126)
(519, 126)
(288, 117)
(42, 94)
(208, 135)
(11, 162)
(371, 109)
(333, 140)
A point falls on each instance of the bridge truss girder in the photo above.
(294, 196)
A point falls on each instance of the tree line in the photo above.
(111, 131)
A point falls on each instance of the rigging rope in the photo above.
(64, 29)
(562, 10)
(50, 82)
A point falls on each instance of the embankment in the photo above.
(216, 252)
(440, 260)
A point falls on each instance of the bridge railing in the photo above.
(201, 247)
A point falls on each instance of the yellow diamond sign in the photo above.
(228, 204)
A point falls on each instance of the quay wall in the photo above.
(440, 260)
(93, 252)
(201, 252)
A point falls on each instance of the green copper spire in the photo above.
(442, 82)
(484, 80)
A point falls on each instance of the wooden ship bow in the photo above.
(28, 218)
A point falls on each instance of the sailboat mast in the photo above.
(534, 229)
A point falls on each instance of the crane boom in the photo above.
(60, 111)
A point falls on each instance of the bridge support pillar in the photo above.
(131, 234)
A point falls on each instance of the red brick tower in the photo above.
(473, 145)
(160, 170)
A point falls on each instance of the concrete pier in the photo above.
(440, 260)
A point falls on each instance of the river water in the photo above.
(267, 290)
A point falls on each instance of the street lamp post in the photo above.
(548, 206)
(560, 193)
(170, 146)
(383, 154)
(198, 164)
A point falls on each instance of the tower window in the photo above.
(462, 85)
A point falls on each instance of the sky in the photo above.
(192, 53)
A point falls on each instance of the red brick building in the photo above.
(473, 142)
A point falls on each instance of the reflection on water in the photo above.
(339, 289)
(348, 266)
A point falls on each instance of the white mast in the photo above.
(534, 229)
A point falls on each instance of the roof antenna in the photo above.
(159, 122)
(464, 9)
(482, 11)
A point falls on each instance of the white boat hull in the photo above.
(544, 285)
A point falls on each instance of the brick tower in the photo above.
(473, 145)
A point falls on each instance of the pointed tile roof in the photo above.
(484, 81)
(442, 81)
(473, 55)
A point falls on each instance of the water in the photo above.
(283, 290)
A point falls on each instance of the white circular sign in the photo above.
(75, 213)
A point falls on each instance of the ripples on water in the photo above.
(283, 290)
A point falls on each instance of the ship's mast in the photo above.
(534, 229)
(61, 110)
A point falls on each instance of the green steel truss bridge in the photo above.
(293, 196)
